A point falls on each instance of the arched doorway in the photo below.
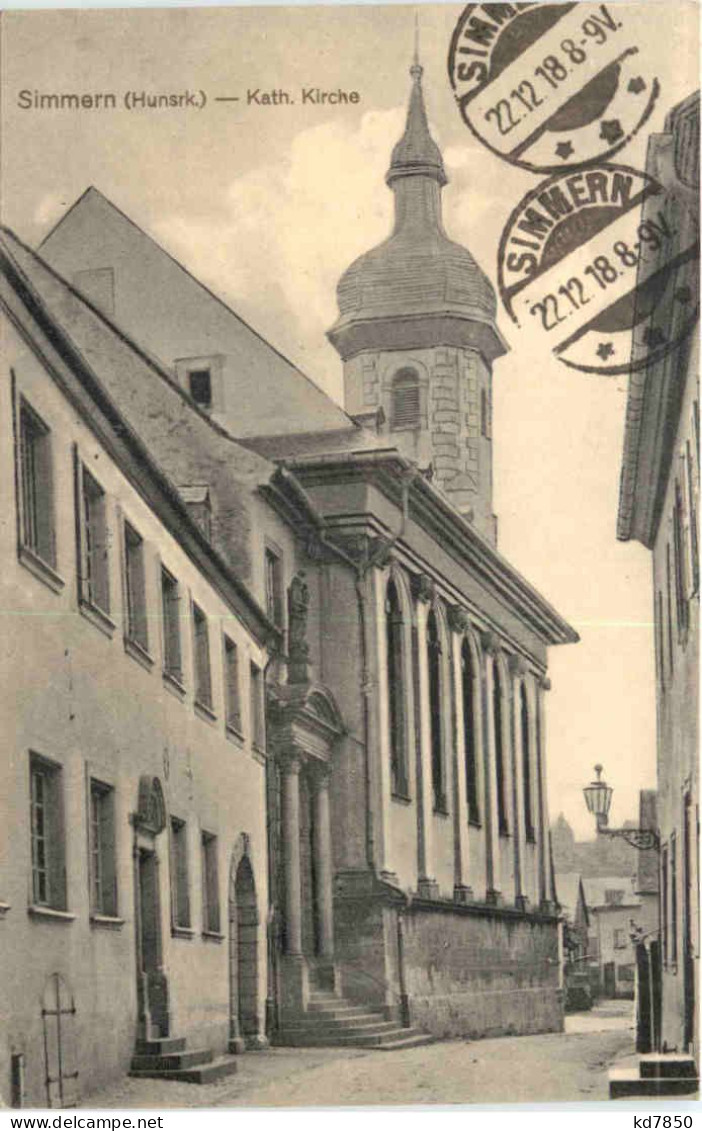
(243, 955)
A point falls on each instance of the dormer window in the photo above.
(200, 387)
(405, 400)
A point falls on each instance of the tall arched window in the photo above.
(526, 766)
(396, 691)
(499, 751)
(469, 735)
(405, 399)
(437, 759)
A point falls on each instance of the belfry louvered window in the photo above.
(405, 399)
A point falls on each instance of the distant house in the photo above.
(615, 912)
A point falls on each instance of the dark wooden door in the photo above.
(153, 978)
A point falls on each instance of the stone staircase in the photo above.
(330, 1020)
(657, 1075)
(166, 1058)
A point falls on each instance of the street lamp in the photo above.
(598, 798)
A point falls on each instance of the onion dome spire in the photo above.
(416, 153)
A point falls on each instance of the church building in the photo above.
(409, 886)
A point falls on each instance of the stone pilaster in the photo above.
(323, 863)
(545, 899)
(458, 625)
(423, 592)
(291, 854)
(517, 671)
(490, 650)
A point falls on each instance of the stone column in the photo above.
(535, 789)
(291, 855)
(517, 671)
(492, 830)
(458, 623)
(323, 866)
(380, 745)
(545, 899)
(423, 592)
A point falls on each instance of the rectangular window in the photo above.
(664, 904)
(47, 831)
(274, 588)
(619, 939)
(231, 685)
(693, 504)
(669, 604)
(94, 578)
(203, 677)
(135, 587)
(180, 887)
(36, 486)
(679, 562)
(200, 386)
(170, 607)
(210, 884)
(673, 900)
(103, 870)
(614, 896)
(258, 728)
(660, 635)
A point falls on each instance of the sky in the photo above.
(269, 204)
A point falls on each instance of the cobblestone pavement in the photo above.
(554, 1067)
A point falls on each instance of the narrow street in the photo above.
(555, 1067)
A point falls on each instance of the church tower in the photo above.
(417, 334)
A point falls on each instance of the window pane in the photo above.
(136, 586)
(231, 675)
(203, 682)
(200, 383)
(180, 893)
(96, 587)
(257, 719)
(47, 833)
(171, 624)
(210, 883)
(36, 485)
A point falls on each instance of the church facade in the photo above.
(408, 880)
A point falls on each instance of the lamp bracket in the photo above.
(641, 839)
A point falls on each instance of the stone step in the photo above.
(343, 1014)
(172, 1060)
(160, 1045)
(395, 1037)
(653, 1065)
(373, 1027)
(197, 1074)
(415, 1040)
(624, 1082)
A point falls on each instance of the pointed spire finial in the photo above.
(416, 70)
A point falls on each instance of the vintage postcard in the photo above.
(349, 522)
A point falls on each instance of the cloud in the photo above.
(294, 225)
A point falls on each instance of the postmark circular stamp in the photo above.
(591, 255)
(550, 86)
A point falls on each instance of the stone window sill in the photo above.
(138, 652)
(50, 914)
(182, 932)
(106, 922)
(41, 569)
(97, 617)
(531, 836)
(475, 823)
(4, 908)
(174, 683)
(205, 711)
(213, 936)
(401, 797)
(234, 734)
(259, 752)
